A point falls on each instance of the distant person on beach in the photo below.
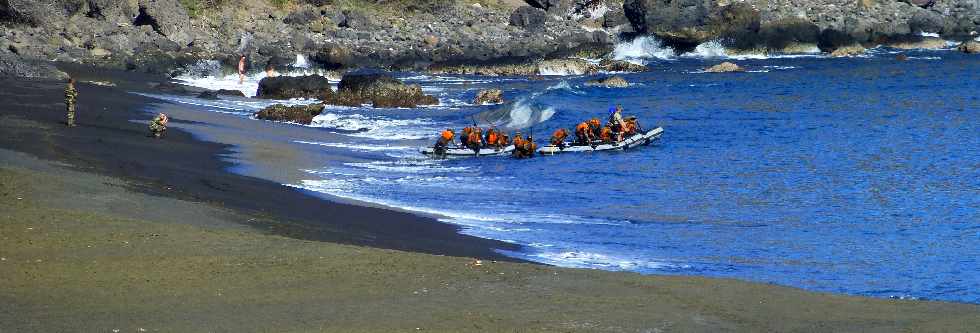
(241, 69)
(159, 125)
(71, 95)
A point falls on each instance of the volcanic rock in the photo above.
(286, 87)
(301, 114)
(725, 67)
(213, 94)
(381, 90)
(609, 82)
(489, 96)
(969, 47)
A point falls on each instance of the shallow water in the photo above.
(856, 175)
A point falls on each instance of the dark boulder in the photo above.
(167, 17)
(301, 114)
(926, 21)
(609, 82)
(832, 39)
(675, 21)
(213, 94)
(113, 11)
(528, 17)
(782, 33)
(332, 56)
(286, 87)
(614, 19)
(355, 19)
(381, 90)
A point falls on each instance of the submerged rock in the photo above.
(286, 87)
(381, 90)
(609, 82)
(489, 96)
(902, 57)
(302, 114)
(725, 67)
(969, 47)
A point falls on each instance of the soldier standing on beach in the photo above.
(71, 94)
(159, 125)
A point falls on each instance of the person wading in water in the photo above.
(241, 69)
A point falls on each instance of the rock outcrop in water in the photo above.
(969, 47)
(543, 67)
(380, 90)
(214, 94)
(286, 87)
(489, 96)
(609, 82)
(301, 114)
(725, 67)
(849, 51)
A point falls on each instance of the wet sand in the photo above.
(84, 252)
(111, 139)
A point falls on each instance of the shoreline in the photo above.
(183, 167)
(77, 259)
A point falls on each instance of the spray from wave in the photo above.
(641, 50)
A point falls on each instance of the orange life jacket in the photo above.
(492, 137)
(606, 134)
(502, 140)
(448, 135)
(559, 136)
(582, 128)
(595, 123)
(474, 138)
(518, 141)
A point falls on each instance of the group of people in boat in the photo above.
(474, 138)
(587, 133)
(591, 132)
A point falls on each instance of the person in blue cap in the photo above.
(616, 121)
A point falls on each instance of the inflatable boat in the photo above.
(639, 139)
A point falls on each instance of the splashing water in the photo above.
(642, 49)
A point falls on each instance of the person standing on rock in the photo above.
(71, 95)
(159, 125)
(241, 69)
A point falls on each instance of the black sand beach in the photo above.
(104, 229)
(111, 139)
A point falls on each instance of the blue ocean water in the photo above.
(850, 175)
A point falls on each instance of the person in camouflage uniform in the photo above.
(159, 125)
(71, 95)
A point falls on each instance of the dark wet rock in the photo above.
(173, 88)
(380, 90)
(12, 65)
(926, 21)
(620, 66)
(489, 96)
(167, 17)
(609, 82)
(286, 87)
(725, 67)
(301, 114)
(528, 17)
(902, 57)
(971, 47)
(214, 94)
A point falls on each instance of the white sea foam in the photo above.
(358, 146)
(524, 115)
(207, 74)
(301, 62)
(585, 259)
(641, 50)
(381, 128)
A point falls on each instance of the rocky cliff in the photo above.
(164, 35)
(779, 24)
